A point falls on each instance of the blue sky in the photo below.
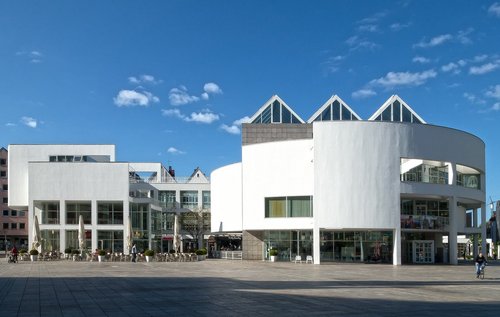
(171, 81)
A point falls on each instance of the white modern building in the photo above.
(58, 183)
(389, 189)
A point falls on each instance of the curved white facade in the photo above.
(353, 170)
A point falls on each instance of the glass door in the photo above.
(423, 251)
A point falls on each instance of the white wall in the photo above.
(275, 169)
(226, 207)
(20, 155)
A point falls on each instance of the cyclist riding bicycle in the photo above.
(480, 264)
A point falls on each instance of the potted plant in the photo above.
(33, 255)
(76, 254)
(67, 253)
(273, 253)
(201, 254)
(149, 255)
(101, 254)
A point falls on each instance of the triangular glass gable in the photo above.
(334, 109)
(396, 110)
(275, 110)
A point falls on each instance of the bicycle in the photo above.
(480, 275)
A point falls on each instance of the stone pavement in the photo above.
(244, 288)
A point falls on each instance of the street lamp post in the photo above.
(495, 223)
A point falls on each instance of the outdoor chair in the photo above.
(309, 259)
(298, 258)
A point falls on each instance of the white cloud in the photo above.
(235, 128)
(496, 106)
(173, 150)
(420, 59)
(29, 121)
(494, 92)
(355, 42)
(483, 69)
(374, 18)
(435, 41)
(451, 67)
(10, 124)
(332, 64)
(33, 56)
(368, 28)
(474, 99)
(173, 113)
(202, 117)
(363, 93)
(126, 98)
(463, 36)
(494, 9)
(480, 58)
(179, 96)
(204, 96)
(399, 26)
(212, 88)
(143, 79)
(393, 79)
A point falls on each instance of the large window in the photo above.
(468, 177)
(289, 243)
(206, 199)
(50, 240)
(167, 198)
(75, 209)
(294, 206)
(110, 240)
(415, 170)
(49, 212)
(73, 242)
(424, 214)
(110, 213)
(189, 199)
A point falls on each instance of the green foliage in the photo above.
(149, 252)
(68, 250)
(34, 252)
(202, 251)
(101, 252)
(273, 252)
(23, 251)
(75, 251)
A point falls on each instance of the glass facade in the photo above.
(189, 199)
(75, 209)
(276, 113)
(72, 239)
(110, 240)
(206, 199)
(110, 213)
(289, 243)
(336, 111)
(50, 240)
(424, 214)
(167, 198)
(49, 212)
(356, 246)
(140, 214)
(398, 112)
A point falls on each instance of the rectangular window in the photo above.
(299, 206)
(3, 174)
(110, 213)
(167, 198)
(293, 206)
(22, 213)
(5, 212)
(13, 225)
(275, 207)
(49, 212)
(5, 187)
(111, 241)
(3, 161)
(13, 213)
(5, 225)
(75, 209)
(22, 226)
(5, 200)
(189, 199)
(206, 199)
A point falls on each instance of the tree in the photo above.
(197, 224)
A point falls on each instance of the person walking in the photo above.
(134, 253)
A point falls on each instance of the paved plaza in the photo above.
(244, 288)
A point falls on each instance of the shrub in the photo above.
(33, 252)
(149, 252)
(172, 251)
(75, 251)
(101, 252)
(23, 251)
(273, 252)
(68, 250)
(202, 251)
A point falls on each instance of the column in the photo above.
(452, 231)
(483, 229)
(396, 252)
(316, 246)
